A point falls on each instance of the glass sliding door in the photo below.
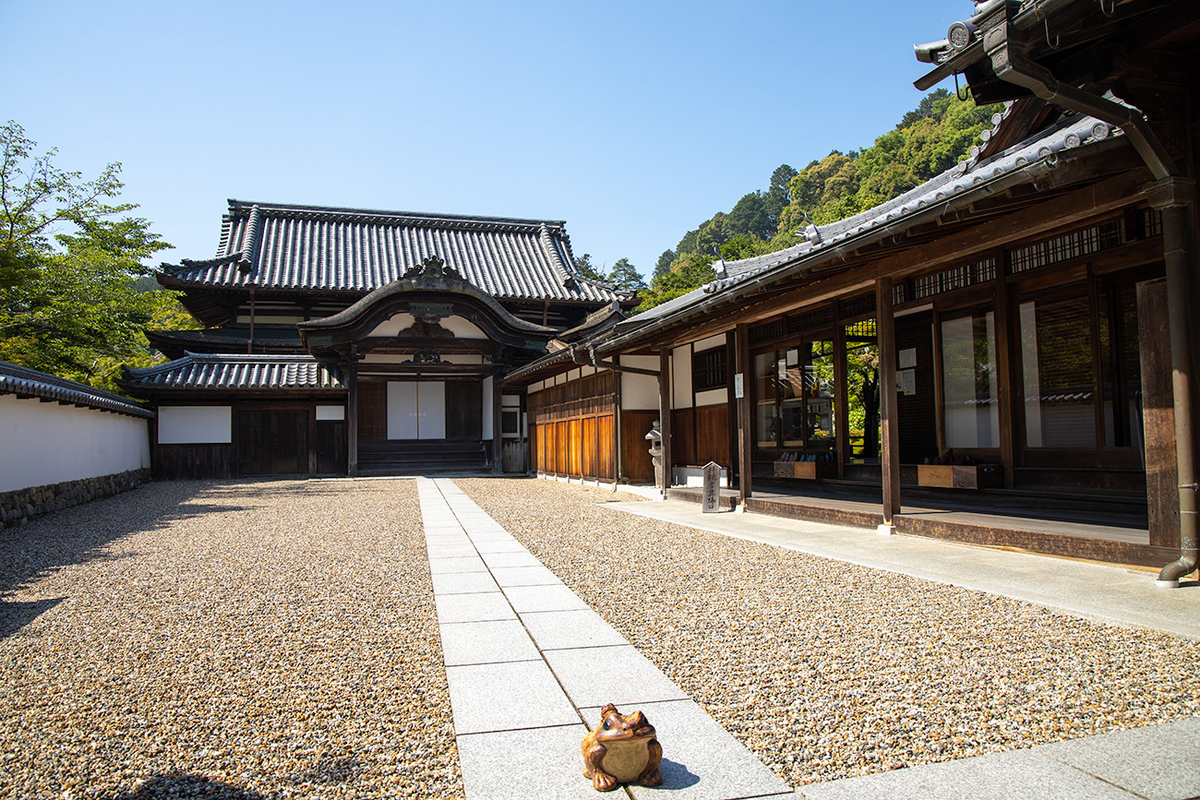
(970, 393)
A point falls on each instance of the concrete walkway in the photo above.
(528, 664)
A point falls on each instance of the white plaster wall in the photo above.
(43, 443)
(488, 429)
(712, 397)
(393, 325)
(639, 392)
(709, 343)
(681, 377)
(195, 424)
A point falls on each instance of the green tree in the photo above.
(626, 276)
(584, 264)
(69, 260)
(688, 272)
(664, 263)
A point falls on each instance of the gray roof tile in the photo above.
(237, 372)
(30, 382)
(313, 248)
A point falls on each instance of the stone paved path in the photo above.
(528, 664)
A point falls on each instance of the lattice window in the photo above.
(768, 331)
(959, 277)
(708, 370)
(856, 306)
(1069, 245)
(1150, 223)
(819, 317)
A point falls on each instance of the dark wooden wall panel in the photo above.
(181, 462)
(330, 442)
(683, 440)
(372, 409)
(464, 409)
(917, 413)
(712, 439)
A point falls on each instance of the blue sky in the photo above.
(631, 121)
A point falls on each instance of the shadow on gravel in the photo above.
(14, 616)
(82, 533)
(186, 786)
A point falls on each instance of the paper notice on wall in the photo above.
(737, 387)
(906, 380)
(908, 358)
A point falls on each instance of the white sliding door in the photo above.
(416, 410)
(401, 410)
(431, 400)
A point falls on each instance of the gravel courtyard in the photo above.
(278, 639)
(828, 670)
(271, 639)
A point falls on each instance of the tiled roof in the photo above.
(237, 372)
(939, 195)
(1044, 146)
(312, 248)
(32, 383)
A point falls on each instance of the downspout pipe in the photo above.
(1173, 193)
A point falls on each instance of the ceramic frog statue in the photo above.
(621, 749)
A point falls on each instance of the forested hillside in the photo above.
(928, 140)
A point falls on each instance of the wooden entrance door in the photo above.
(273, 442)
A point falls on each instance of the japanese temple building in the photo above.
(1014, 333)
(347, 342)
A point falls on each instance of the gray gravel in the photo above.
(828, 670)
(270, 639)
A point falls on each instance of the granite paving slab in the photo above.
(520, 765)
(533, 700)
(525, 576)
(464, 583)
(476, 607)
(525, 599)
(619, 674)
(556, 630)
(1017, 775)
(489, 642)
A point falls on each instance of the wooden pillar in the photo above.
(885, 330)
(744, 429)
(664, 411)
(841, 399)
(1005, 370)
(1158, 413)
(351, 418)
(497, 436)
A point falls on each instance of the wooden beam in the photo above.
(885, 331)
(743, 413)
(664, 410)
(352, 418)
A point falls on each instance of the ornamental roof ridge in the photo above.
(239, 208)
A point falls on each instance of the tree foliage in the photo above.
(929, 140)
(69, 260)
(625, 276)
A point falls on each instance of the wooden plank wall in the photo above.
(572, 428)
(635, 450)
(372, 409)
